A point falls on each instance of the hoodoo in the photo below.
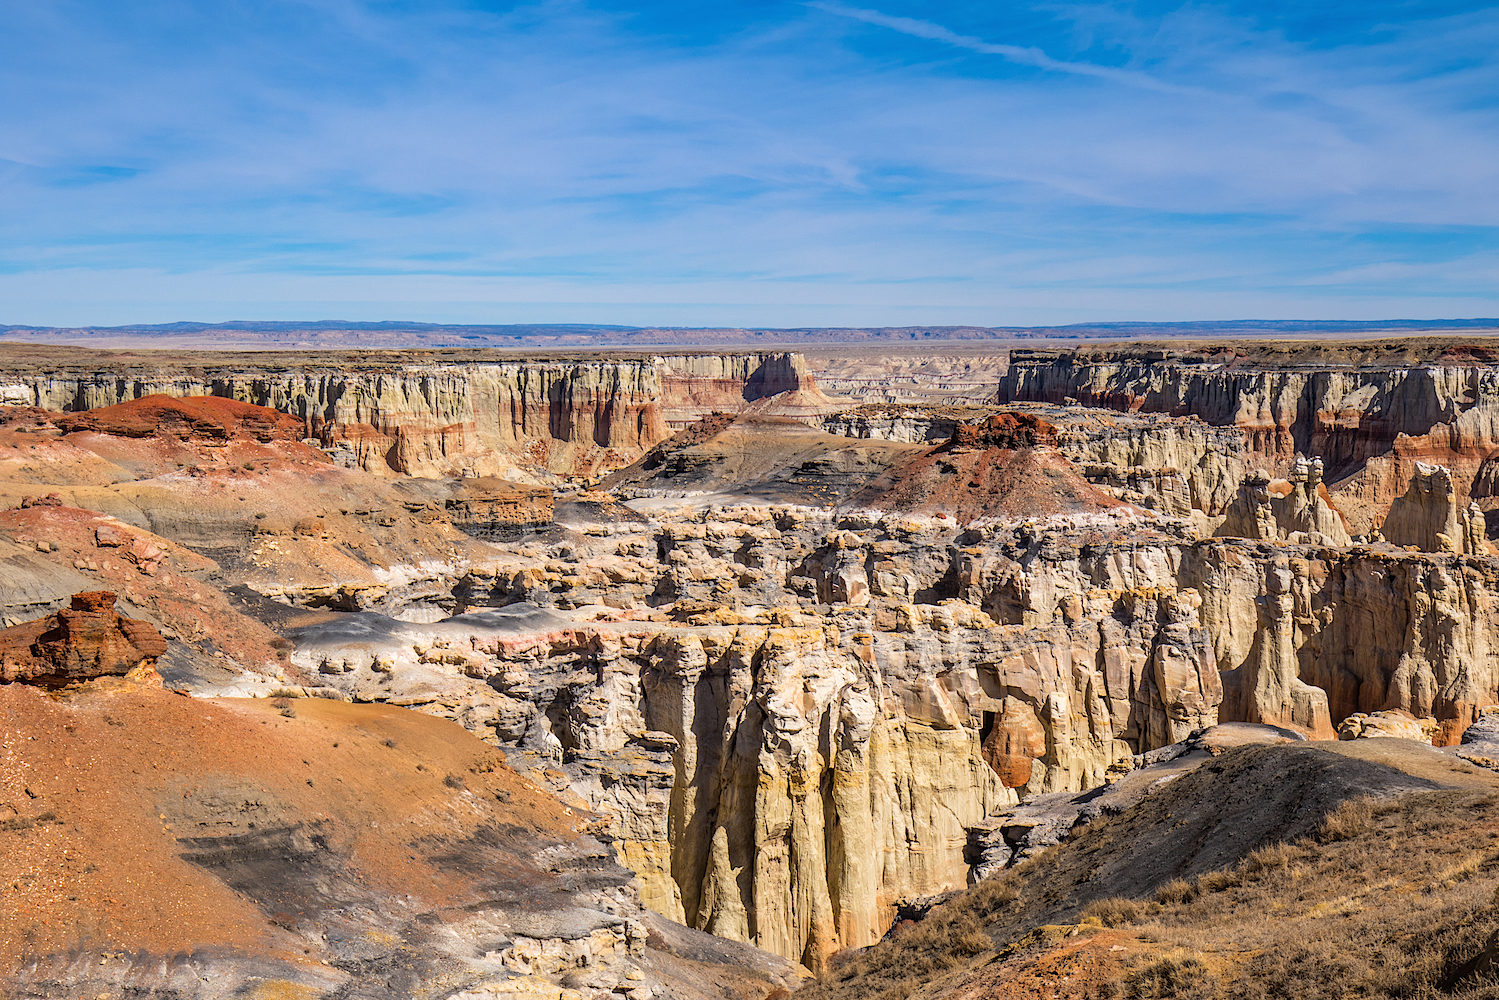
(87, 639)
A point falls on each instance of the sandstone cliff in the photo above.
(1368, 417)
(443, 415)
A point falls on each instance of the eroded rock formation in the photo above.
(1430, 517)
(88, 639)
(1301, 512)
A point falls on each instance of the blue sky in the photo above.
(752, 163)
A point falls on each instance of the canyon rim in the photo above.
(464, 673)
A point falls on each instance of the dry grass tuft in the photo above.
(1348, 821)
(907, 959)
(1114, 911)
(1184, 978)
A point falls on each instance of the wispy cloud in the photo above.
(1020, 54)
(737, 163)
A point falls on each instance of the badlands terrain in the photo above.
(1135, 670)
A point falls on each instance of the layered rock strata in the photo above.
(1370, 412)
(491, 417)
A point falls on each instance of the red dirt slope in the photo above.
(139, 827)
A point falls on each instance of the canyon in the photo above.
(807, 657)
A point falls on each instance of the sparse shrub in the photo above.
(995, 895)
(1180, 979)
(289, 713)
(281, 703)
(453, 781)
(1178, 890)
(1351, 818)
(1116, 911)
(390, 743)
(1218, 881)
(1268, 859)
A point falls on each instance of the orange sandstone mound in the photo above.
(1005, 467)
(210, 418)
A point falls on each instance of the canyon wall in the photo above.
(1370, 420)
(508, 418)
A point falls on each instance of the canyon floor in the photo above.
(1112, 670)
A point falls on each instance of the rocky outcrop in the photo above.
(906, 424)
(1430, 517)
(498, 510)
(1370, 414)
(870, 656)
(1393, 724)
(1302, 512)
(86, 640)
